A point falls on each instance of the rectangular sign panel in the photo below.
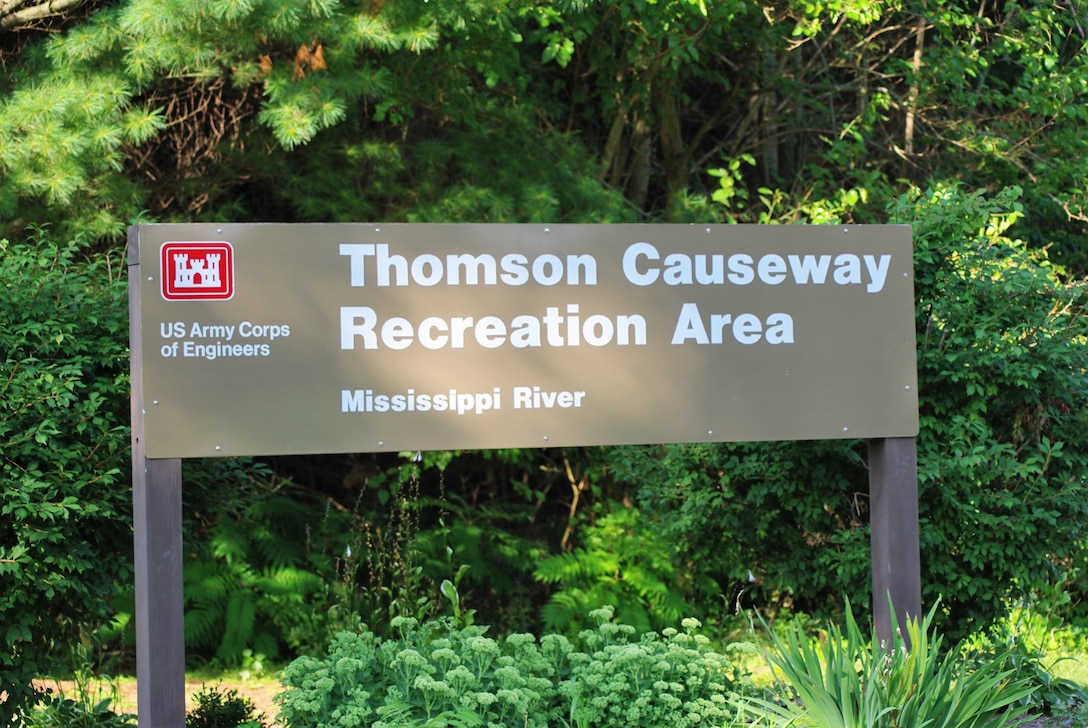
(289, 339)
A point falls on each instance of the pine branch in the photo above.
(11, 16)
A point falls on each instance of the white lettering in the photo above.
(536, 398)
(745, 328)
(772, 269)
(350, 327)
(514, 270)
(810, 268)
(358, 253)
(878, 272)
(740, 269)
(427, 270)
(630, 264)
(848, 269)
(465, 269)
(554, 329)
(427, 329)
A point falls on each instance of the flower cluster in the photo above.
(437, 674)
(671, 679)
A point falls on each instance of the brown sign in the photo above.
(280, 339)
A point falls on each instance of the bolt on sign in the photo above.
(289, 339)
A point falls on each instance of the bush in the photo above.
(223, 709)
(65, 512)
(437, 674)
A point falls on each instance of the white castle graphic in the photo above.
(194, 274)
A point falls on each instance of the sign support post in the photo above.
(157, 541)
(893, 521)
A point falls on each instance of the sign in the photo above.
(292, 339)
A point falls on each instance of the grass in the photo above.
(260, 688)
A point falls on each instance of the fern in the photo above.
(251, 571)
(240, 621)
(623, 564)
(201, 626)
(287, 581)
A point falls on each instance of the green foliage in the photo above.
(249, 577)
(429, 672)
(65, 542)
(405, 111)
(1001, 356)
(849, 680)
(484, 550)
(217, 708)
(622, 564)
(57, 711)
(436, 673)
(313, 111)
(662, 680)
(1021, 642)
(87, 703)
(773, 524)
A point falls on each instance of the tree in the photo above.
(280, 109)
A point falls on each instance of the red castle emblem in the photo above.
(197, 271)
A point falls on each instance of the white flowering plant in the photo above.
(438, 674)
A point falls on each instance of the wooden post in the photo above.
(156, 517)
(893, 500)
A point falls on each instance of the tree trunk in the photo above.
(638, 179)
(674, 155)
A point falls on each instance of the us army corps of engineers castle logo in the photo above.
(197, 271)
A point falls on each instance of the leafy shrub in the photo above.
(846, 680)
(431, 672)
(65, 511)
(437, 674)
(669, 680)
(217, 708)
(1002, 352)
(1021, 642)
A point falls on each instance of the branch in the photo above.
(12, 18)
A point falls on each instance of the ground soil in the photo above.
(259, 691)
(262, 691)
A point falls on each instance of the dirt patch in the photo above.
(260, 691)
